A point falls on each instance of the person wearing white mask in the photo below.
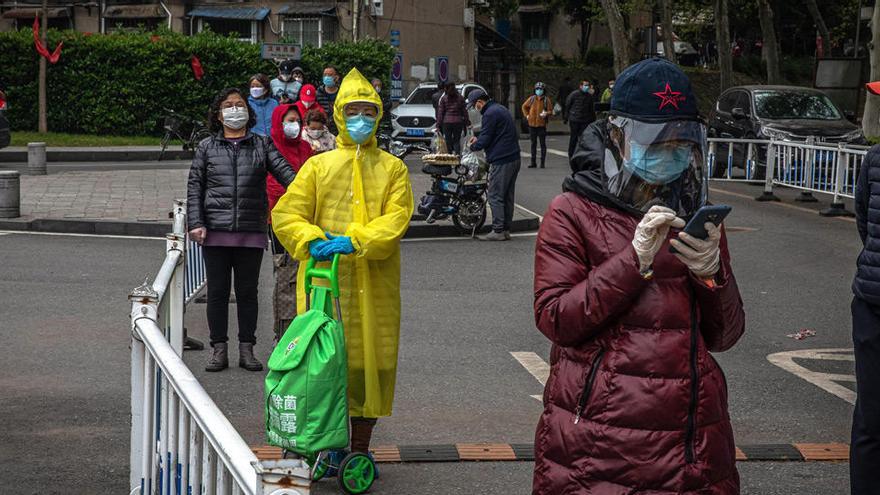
(227, 214)
(316, 132)
(262, 104)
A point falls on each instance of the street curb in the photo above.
(495, 452)
(488, 452)
(96, 155)
(417, 229)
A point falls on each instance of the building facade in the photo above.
(425, 32)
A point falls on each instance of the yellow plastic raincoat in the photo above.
(364, 193)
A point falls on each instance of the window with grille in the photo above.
(243, 29)
(313, 31)
(119, 25)
(536, 32)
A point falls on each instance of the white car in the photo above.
(414, 119)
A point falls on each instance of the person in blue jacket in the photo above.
(262, 104)
(499, 137)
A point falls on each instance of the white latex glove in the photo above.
(651, 233)
(702, 257)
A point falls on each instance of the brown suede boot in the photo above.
(219, 358)
(246, 357)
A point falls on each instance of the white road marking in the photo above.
(552, 151)
(62, 234)
(534, 365)
(825, 381)
(530, 212)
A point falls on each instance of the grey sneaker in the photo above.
(507, 234)
(494, 236)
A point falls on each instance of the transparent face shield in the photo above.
(657, 163)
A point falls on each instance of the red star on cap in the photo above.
(668, 97)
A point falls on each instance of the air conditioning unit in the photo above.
(479, 3)
(469, 18)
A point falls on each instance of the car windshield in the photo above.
(421, 96)
(794, 105)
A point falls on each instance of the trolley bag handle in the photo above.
(330, 274)
(321, 293)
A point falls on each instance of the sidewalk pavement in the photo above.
(138, 202)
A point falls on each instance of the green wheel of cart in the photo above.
(321, 467)
(356, 473)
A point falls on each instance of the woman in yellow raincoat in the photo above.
(362, 197)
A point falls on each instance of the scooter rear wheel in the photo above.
(471, 216)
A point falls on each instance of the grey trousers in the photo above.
(502, 184)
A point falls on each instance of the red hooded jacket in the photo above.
(635, 402)
(308, 94)
(296, 151)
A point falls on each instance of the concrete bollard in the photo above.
(10, 194)
(37, 158)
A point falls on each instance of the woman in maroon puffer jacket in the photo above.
(634, 402)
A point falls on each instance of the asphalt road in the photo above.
(467, 305)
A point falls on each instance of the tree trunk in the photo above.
(771, 46)
(586, 28)
(666, 23)
(722, 36)
(619, 40)
(42, 123)
(820, 23)
(871, 117)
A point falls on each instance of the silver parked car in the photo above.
(414, 119)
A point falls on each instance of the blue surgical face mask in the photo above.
(329, 81)
(360, 127)
(658, 165)
(539, 92)
(585, 88)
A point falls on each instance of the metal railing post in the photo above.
(809, 171)
(841, 167)
(712, 158)
(145, 302)
(177, 240)
(750, 163)
(770, 168)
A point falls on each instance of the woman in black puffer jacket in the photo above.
(227, 211)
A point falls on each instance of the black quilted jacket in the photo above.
(867, 280)
(226, 190)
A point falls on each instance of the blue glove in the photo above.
(316, 249)
(336, 245)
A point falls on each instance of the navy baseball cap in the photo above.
(654, 90)
(475, 95)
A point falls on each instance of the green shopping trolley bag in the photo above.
(307, 384)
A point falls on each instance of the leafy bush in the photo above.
(602, 56)
(371, 57)
(120, 83)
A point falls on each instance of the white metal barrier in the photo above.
(181, 443)
(808, 166)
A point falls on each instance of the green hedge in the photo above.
(120, 83)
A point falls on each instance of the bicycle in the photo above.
(173, 123)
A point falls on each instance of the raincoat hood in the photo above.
(355, 88)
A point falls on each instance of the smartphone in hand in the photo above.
(696, 227)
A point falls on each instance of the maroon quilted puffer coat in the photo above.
(634, 404)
